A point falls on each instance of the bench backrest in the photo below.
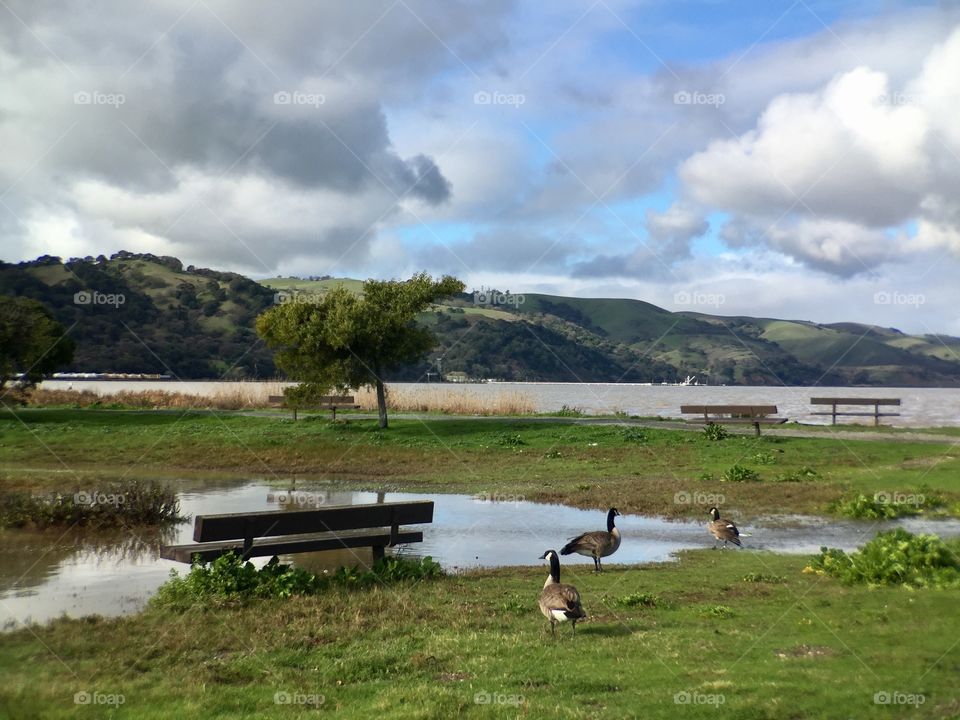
(854, 401)
(751, 410)
(271, 523)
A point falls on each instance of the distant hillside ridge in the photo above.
(142, 313)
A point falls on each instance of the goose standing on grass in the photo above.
(596, 544)
(558, 602)
(723, 530)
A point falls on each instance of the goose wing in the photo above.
(562, 598)
(725, 530)
(587, 542)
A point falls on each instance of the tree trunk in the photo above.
(381, 399)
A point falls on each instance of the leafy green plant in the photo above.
(895, 557)
(567, 411)
(762, 578)
(634, 434)
(508, 440)
(764, 458)
(229, 580)
(717, 611)
(884, 505)
(799, 475)
(715, 432)
(638, 599)
(739, 473)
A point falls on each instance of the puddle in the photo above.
(45, 575)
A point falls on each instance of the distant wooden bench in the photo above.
(324, 402)
(278, 532)
(860, 402)
(755, 415)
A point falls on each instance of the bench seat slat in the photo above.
(315, 542)
(861, 414)
(854, 401)
(730, 409)
(740, 421)
(271, 523)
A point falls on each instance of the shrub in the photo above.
(715, 432)
(229, 580)
(738, 473)
(895, 557)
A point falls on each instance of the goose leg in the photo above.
(553, 629)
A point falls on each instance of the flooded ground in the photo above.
(44, 575)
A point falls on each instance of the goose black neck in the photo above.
(610, 517)
(555, 567)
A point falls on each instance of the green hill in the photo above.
(198, 323)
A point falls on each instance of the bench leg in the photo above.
(756, 427)
(334, 411)
(377, 552)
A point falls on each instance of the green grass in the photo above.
(592, 466)
(804, 646)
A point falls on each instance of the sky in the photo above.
(796, 159)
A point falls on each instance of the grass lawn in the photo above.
(640, 470)
(734, 633)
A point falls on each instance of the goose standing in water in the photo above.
(723, 530)
(558, 602)
(596, 544)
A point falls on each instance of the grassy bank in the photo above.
(640, 470)
(741, 633)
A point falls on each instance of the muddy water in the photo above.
(44, 575)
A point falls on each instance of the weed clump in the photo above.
(134, 502)
(229, 580)
(895, 557)
(715, 432)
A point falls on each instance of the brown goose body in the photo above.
(559, 602)
(723, 529)
(597, 544)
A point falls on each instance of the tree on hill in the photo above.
(32, 343)
(344, 340)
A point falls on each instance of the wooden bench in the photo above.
(755, 415)
(324, 402)
(876, 402)
(277, 532)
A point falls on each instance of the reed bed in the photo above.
(227, 399)
(255, 395)
(447, 400)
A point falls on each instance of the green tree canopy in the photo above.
(343, 340)
(32, 342)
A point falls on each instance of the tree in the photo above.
(344, 340)
(32, 343)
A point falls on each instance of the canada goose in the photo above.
(559, 603)
(723, 529)
(596, 544)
